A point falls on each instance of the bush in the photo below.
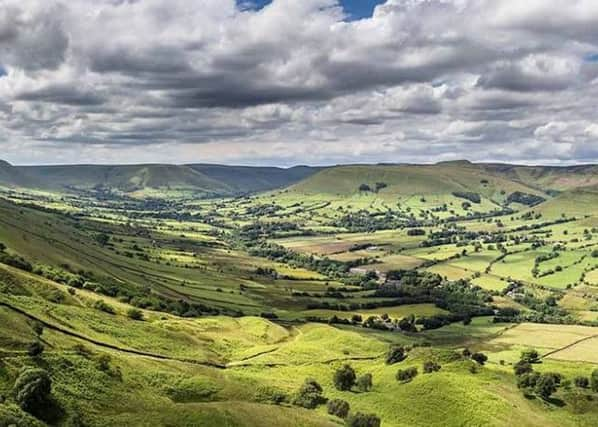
(530, 356)
(528, 380)
(309, 395)
(364, 383)
(338, 407)
(395, 354)
(32, 390)
(545, 386)
(480, 358)
(102, 306)
(363, 420)
(35, 349)
(522, 368)
(406, 375)
(430, 367)
(594, 380)
(135, 314)
(344, 378)
(582, 382)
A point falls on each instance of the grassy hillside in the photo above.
(107, 369)
(548, 177)
(406, 180)
(153, 179)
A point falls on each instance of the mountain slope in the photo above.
(559, 178)
(410, 180)
(253, 179)
(199, 178)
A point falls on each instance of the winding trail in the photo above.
(569, 346)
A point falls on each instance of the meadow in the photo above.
(159, 307)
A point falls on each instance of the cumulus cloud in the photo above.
(297, 81)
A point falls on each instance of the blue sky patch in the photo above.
(592, 57)
(356, 9)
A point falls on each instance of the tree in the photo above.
(406, 375)
(545, 386)
(530, 356)
(102, 239)
(364, 187)
(395, 354)
(363, 420)
(582, 382)
(344, 378)
(528, 380)
(430, 367)
(480, 358)
(135, 314)
(309, 395)
(364, 382)
(594, 380)
(32, 390)
(338, 407)
(2, 247)
(35, 349)
(522, 368)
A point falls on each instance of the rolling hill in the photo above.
(210, 180)
(413, 180)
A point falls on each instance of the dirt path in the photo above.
(569, 346)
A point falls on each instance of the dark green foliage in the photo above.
(32, 390)
(338, 407)
(528, 380)
(344, 378)
(406, 375)
(309, 395)
(545, 386)
(364, 188)
(363, 420)
(364, 382)
(480, 358)
(530, 356)
(102, 239)
(525, 199)
(472, 197)
(15, 261)
(135, 314)
(582, 382)
(594, 380)
(430, 367)
(395, 354)
(35, 349)
(102, 306)
(522, 367)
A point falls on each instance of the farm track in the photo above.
(573, 344)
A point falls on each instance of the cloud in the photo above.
(296, 81)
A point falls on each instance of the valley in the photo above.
(207, 295)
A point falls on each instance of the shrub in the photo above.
(594, 380)
(582, 382)
(32, 390)
(135, 314)
(363, 420)
(430, 367)
(364, 382)
(528, 380)
(406, 375)
(344, 378)
(35, 349)
(545, 386)
(480, 358)
(338, 407)
(309, 395)
(395, 354)
(530, 356)
(102, 306)
(522, 368)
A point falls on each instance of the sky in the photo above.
(288, 82)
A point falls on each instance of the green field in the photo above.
(205, 296)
